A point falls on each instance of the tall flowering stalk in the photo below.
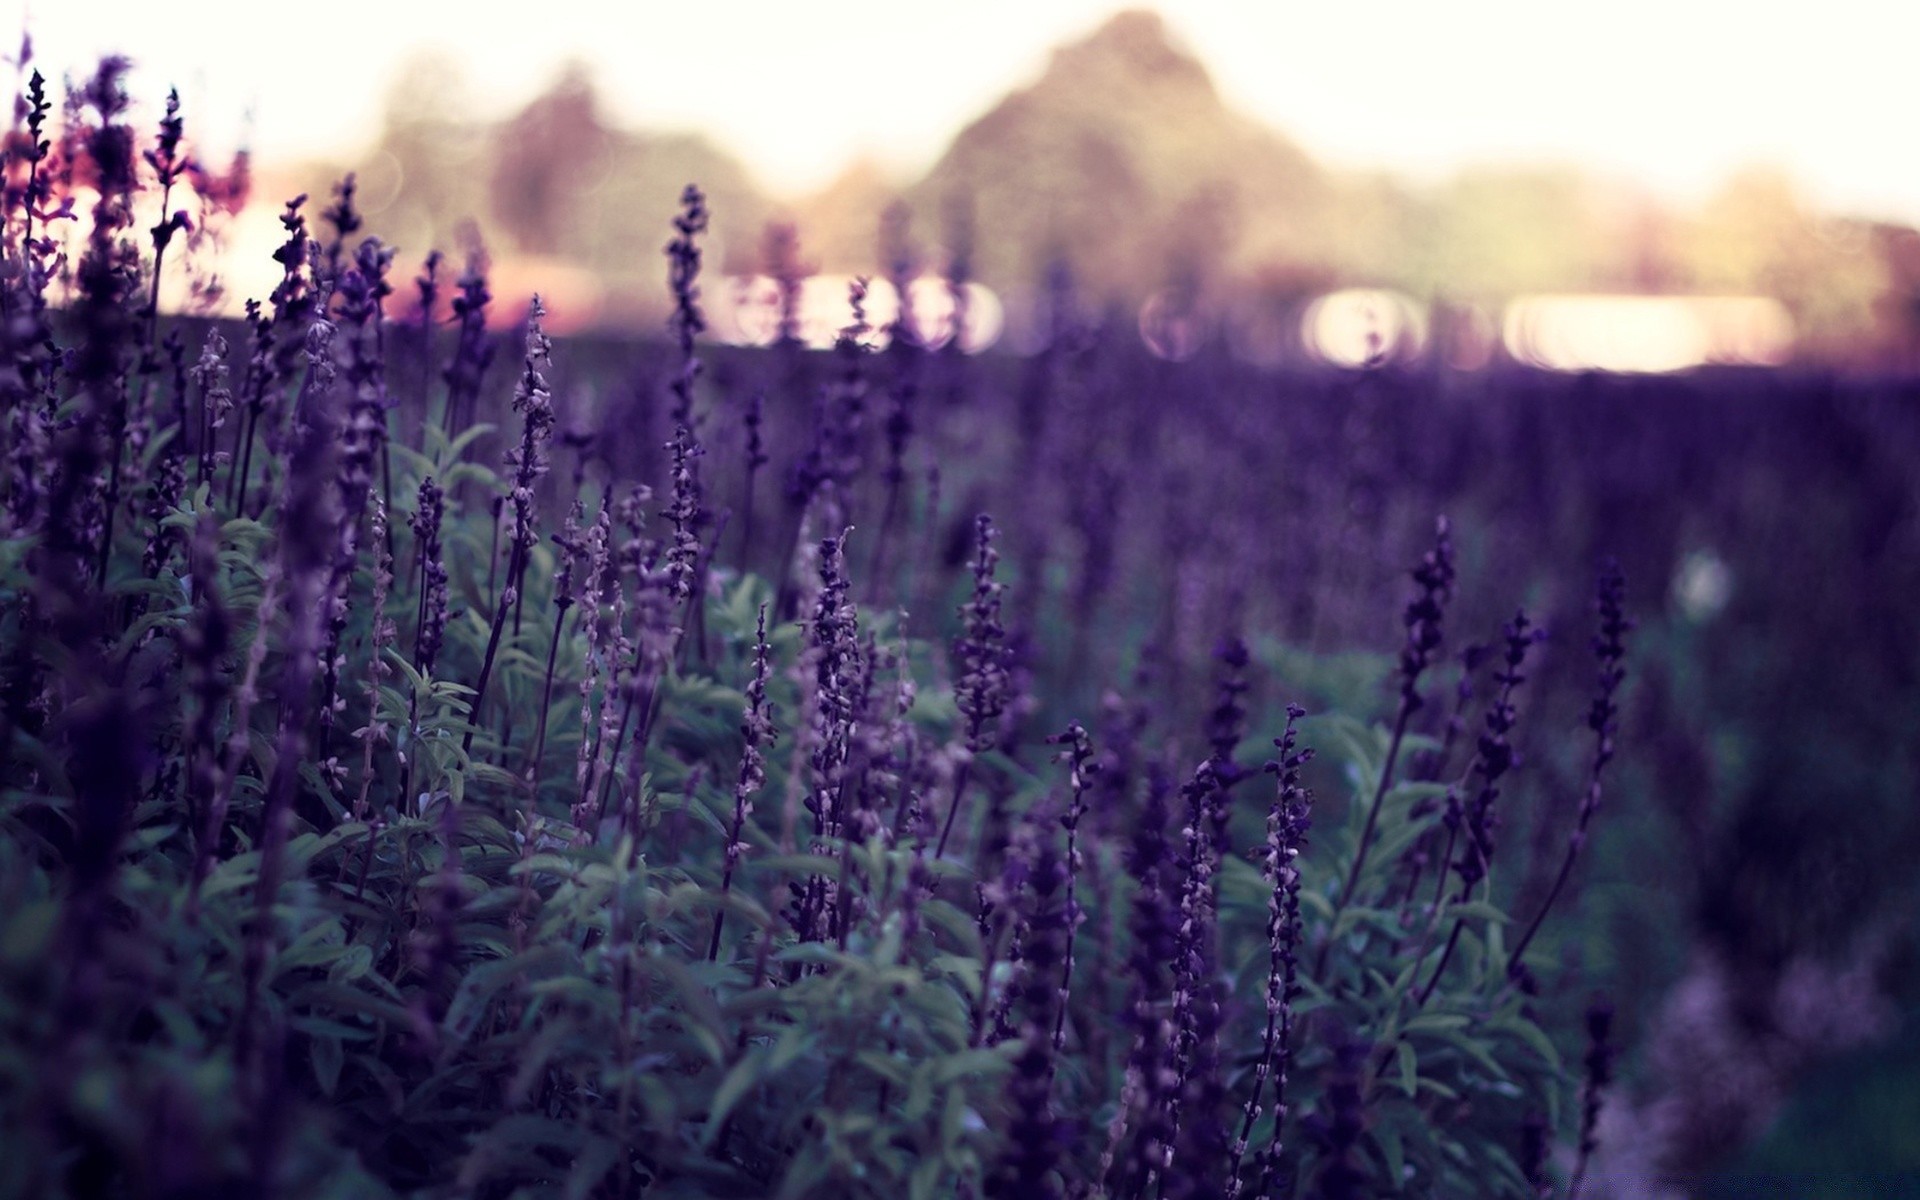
(1195, 997)
(1496, 757)
(1471, 825)
(832, 665)
(756, 457)
(309, 529)
(27, 351)
(1598, 1062)
(1002, 922)
(683, 274)
(225, 766)
(683, 553)
(1341, 1121)
(431, 605)
(757, 732)
(430, 612)
(981, 692)
(209, 374)
(113, 262)
(602, 586)
(534, 403)
(473, 350)
(905, 348)
(1227, 720)
(1424, 616)
(650, 649)
(363, 446)
(570, 545)
(375, 732)
(1287, 823)
(1149, 1093)
(1610, 648)
(168, 164)
(76, 523)
(426, 307)
(209, 635)
(344, 216)
(277, 341)
(1027, 1171)
(687, 323)
(1082, 767)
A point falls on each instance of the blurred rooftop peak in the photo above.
(1133, 46)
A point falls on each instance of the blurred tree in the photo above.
(428, 138)
(840, 220)
(1123, 160)
(545, 157)
(1502, 231)
(1758, 234)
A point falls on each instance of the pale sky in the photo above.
(1674, 94)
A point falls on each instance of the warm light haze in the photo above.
(1670, 95)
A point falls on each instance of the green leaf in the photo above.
(328, 1055)
(476, 991)
(1532, 1035)
(595, 1158)
(1479, 910)
(1386, 1133)
(739, 1081)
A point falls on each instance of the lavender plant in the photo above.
(233, 963)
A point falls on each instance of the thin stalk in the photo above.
(959, 793)
(1366, 834)
(546, 694)
(493, 647)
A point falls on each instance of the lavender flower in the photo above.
(204, 648)
(907, 352)
(1423, 619)
(1342, 1118)
(831, 665)
(209, 374)
(683, 554)
(757, 457)
(309, 532)
(981, 691)
(782, 254)
(1194, 993)
(343, 216)
(1227, 721)
(1082, 769)
(683, 273)
(1027, 1171)
(1478, 820)
(601, 581)
(430, 619)
(1496, 756)
(528, 460)
(363, 445)
(1535, 1143)
(1150, 1092)
(1287, 823)
(756, 731)
(1599, 1073)
(473, 349)
(375, 732)
(1610, 648)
